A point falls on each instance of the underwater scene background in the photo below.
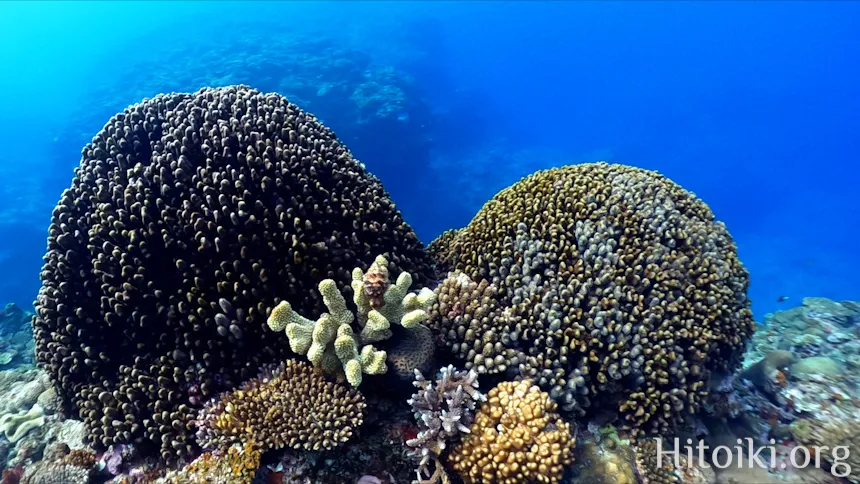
(750, 110)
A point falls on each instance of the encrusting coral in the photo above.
(291, 405)
(651, 469)
(444, 409)
(609, 286)
(517, 438)
(15, 425)
(61, 465)
(237, 465)
(330, 342)
(189, 215)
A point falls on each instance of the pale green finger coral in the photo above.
(397, 304)
(331, 343)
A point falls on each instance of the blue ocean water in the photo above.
(755, 107)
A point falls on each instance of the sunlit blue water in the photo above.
(753, 106)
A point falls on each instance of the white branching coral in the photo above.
(444, 409)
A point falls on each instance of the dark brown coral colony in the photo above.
(609, 286)
(189, 218)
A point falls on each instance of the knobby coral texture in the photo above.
(609, 286)
(331, 343)
(188, 219)
(291, 405)
(518, 437)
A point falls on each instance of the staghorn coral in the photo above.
(291, 405)
(609, 286)
(189, 217)
(517, 438)
(331, 344)
(237, 465)
(444, 409)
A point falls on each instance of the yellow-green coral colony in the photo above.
(330, 342)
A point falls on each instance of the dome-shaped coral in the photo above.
(190, 217)
(602, 283)
(517, 438)
(289, 406)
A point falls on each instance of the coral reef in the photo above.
(21, 389)
(61, 465)
(793, 392)
(380, 452)
(609, 286)
(291, 406)
(829, 434)
(818, 327)
(444, 409)
(16, 337)
(604, 462)
(236, 465)
(649, 469)
(517, 438)
(331, 344)
(189, 216)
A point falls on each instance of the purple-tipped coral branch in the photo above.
(443, 410)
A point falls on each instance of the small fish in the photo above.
(782, 299)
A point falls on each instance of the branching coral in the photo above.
(609, 286)
(330, 342)
(444, 409)
(289, 406)
(186, 219)
(517, 438)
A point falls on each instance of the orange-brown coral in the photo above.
(292, 406)
(609, 286)
(237, 465)
(517, 438)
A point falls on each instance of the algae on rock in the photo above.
(330, 342)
